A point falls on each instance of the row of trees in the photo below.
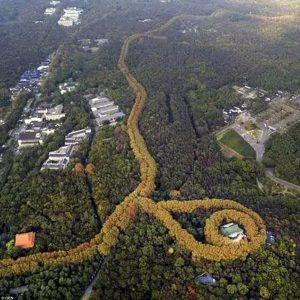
(148, 167)
(115, 173)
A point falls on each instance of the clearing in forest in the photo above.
(233, 140)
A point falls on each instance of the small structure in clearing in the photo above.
(18, 290)
(270, 238)
(205, 278)
(25, 240)
(233, 231)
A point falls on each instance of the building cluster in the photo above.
(101, 42)
(49, 11)
(104, 110)
(270, 238)
(36, 127)
(248, 92)
(67, 87)
(30, 80)
(233, 112)
(59, 159)
(49, 114)
(70, 17)
(89, 45)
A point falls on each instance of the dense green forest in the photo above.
(54, 282)
(55, 204)
(283, 154)
(147, 264)
(13, 117)
(24, 44)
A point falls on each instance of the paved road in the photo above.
(257, 144)
(270, 174)
(89, 289)
(259, 148)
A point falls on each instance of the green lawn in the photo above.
(234, 141)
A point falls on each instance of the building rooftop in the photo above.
(104, 110)
(29, 136)
(49, 11)
(78, 136)
(270, 238)
(18, 290)
(55, 164)
(99, 100)
(205, 278)
(55, 110)
(99, 104)
(25, 240)
(231, 230)
(64, 151)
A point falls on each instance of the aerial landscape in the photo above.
(149, 149)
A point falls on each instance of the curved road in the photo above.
(270, 174)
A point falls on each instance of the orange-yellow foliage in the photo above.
(253, 224)
(79, 168)
(89, 169)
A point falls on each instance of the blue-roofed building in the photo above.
(34, 74)
(205, 278)
(270, 238)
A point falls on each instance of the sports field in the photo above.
(234, 141)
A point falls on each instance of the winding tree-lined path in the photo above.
(219, 248)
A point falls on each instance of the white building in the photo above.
(55, 113)
(29, 139)
(78, 136)
(50, 11)
(67, 87)
(70, 17)
(105, 110)
(60, 158)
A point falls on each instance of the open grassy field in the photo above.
(233, 140)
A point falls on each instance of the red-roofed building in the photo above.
(25, 240)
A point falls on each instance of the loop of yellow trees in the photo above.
(217, 247)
